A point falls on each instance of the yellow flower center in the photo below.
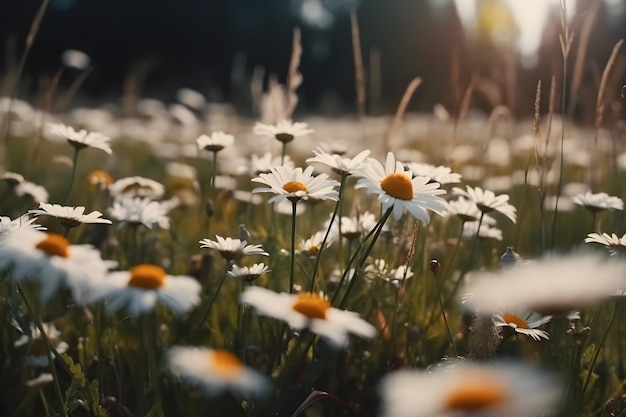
(480, 393)
(516, 321)
(294, 187)
(311, 305)
(54, 245)
(99, 177)
(147, 276)
(313, 250)
(224, 363)
(398, 185)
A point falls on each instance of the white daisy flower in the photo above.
(48, 260)
(464, 209)
(142, 287)
(8, 226)
(69, 216)
(488, 202)
(312, 245)
(81, 139)
(397, 189)
(137, 187)
(140, 211)
(216, 142)
(284, 131)
(613, 243)
(215, 371)
(486, 231)
(354, 227)
(11, 178)
(598, 202)
(232, 249)
(526, 324)
(248, 273)
(263, 164)
(552, 284)
(76, 59)
(467, 388)
(296, 184)
(308, 310)
(37, 192)
(440, 174)
(100, 179)
(37, 346)
(341, 166)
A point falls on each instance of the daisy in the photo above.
(464, 209)
(137, 187)
(486, 231)
(396, 189)
(440, 174)
(215, 371)
(612, 242)
(311, 246)
(487, 201)
(263, 164)
(232, 249)
(248, 273)
(100, 179)
(11, 178)
(69, 216)
(308, 310)
(36, 192)
(462, 388)
(284, 131)
(551, 284)
(8, 226)
(37, 346)
(81, 139)
(598, 202)
(296, 184)
(216, 142)
(341, 166)
(137, 211)
(526, 324)
(48, 260)
(142, 287)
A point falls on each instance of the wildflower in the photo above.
(308, 310)
(341, 166)
(140, 288)
(73, 58)
(354, 227)
(465, 388)
(296, 184)
(311, 246)
(526, 324)
(81, 139)
(284, 131)
(232, 249)
(137, 187)
(612, 242)
(552, 284)
(137, 211)
(486, 231)
(464, 209)
(263, 164)
(69, 216)
(440, 174)
(49, 260)
(100, 179)
(216, 142)
(487, 201)
(248, 273)
(37, 346)
(37, 192)
(8, 226)
(215, 371)
(396, 189)
(380, 270)
(11, 178)
(598, 202)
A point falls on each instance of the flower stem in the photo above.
(205, 314)
(599, 348)
(292, 257)
(74, 164)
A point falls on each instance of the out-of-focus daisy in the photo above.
(296, 184)
(464, 209)
(48, 260)
(69, 217)
(440, 174)
(552, 284)
(137, 211)
(37, 348)
(598, 202)
(137, 187)
(143, 286)
(488, 202)
(284, 131)
(11, 178)
(341, 166)
(248, 273)
(216, 142)
(510, 258)
(353, 227)
(312, 245)
(180, 170)
(232, 249)
(81, 139)
(308, 310)
(41, 381)
(100, 179)
(466, 388)
(215, 371)
(8, 226)
(379, 269)
(73, 58)
(263, 164)
(396, 189)
(486, 231)
(37, 192)
(613, 243)
(526, 324)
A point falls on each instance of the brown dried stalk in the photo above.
(358, 64)
(397, 120)
(294, 78)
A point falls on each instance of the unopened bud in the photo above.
(435, 266)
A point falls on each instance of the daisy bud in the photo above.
(435, 267)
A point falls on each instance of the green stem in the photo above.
(205, 314)
(443, 314)
(292, 257)
(599, 348)
(74, 164)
